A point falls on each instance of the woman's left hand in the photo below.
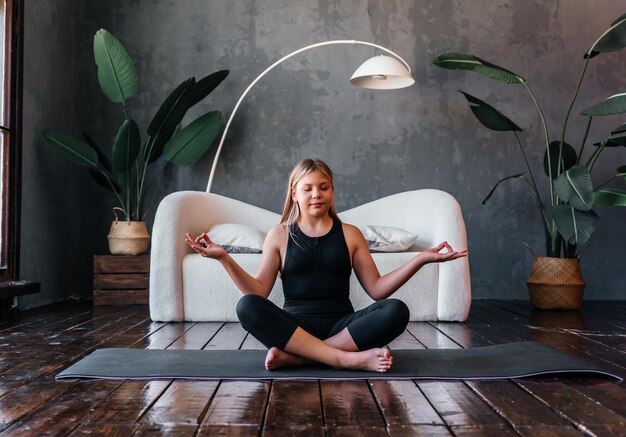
(435, 255)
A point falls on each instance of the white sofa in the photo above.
(186, 286)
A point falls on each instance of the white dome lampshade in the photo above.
(382, 73)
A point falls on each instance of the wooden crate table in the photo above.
(120, 280)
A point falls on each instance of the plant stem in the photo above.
(582, 146)
(595, 155)
(532, 183)
(119, 199)
(606, 182)
(547, 139)
(569, 110)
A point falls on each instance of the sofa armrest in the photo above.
(454, 288)
(178, 213)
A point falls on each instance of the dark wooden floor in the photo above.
(45, 340)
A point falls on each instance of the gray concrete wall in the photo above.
(378, 143)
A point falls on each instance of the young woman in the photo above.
(315, 253)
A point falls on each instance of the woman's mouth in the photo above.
(317, 205)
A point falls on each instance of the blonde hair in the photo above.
(291, 210)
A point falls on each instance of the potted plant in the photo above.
(566, 212)
(125, 169)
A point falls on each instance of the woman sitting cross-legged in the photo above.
(315, 253)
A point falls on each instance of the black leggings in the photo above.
(374, 326)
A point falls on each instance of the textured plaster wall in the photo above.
(52, 217)
(378, 143)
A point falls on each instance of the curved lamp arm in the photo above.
(232, 115)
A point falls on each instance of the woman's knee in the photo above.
(249, 309)
(397, 311)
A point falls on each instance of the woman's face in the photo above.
(314, 194)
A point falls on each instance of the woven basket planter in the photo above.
(556, 283)
(128, 238)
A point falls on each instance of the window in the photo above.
(10, 58)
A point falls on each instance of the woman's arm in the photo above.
(268, 270)
(381, 287)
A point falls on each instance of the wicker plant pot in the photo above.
(556, 283)
(128, 238)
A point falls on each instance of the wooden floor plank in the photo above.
(402, 403)
(294, 407)
(240, 403)
(349, 403)
(458, 405)
(252, 343)
(197, 336)
(230, 336)
(105, 429)
(128, 403)
(183, 402)
(167, 335)
(63, 415)
(418, 430)
(170, 430)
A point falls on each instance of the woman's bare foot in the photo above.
(374, 360)
(276, 358)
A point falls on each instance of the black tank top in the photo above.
(316, 274)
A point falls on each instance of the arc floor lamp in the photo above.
(380, 72)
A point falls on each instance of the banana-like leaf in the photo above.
(568, 156)
(126, 147)
(169, 115)
(188, 145)
(574, 188)
(574, 226)
(613, 105)
(612, 142)
(489, 116)
(103, 182)
(612, 40)
(206, 85)
(462, 61)
(609, 197)
(515, 176)
(75, 149)
(103, 158)
(116, 72)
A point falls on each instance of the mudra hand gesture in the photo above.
(435, 255)
(203, 245)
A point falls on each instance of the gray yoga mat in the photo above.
(503, 361)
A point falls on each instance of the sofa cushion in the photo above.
(387, 238)
(237, 238)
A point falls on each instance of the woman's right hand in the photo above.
(203, 245)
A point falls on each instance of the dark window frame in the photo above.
(12, 131)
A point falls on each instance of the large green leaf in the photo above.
(116, 72)
(612, 40)
(462, 61)
(206, 85)
(574, 226)
(568, 156)
(126, 147)
(489, 116)
(169, 115)
(103, 182)
(613, 105)
(574, 187)
(609, 197)
(103, 158)
(188, 145)
(76, 150)
(612, 142)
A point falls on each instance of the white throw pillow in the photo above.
(387, 238)
(236, 238)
